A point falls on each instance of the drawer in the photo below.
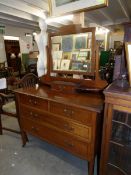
(34, 101)
(61, 139)
(78, 114)
(58, 122)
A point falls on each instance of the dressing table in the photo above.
(65, 109)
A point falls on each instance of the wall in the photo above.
(13, 31)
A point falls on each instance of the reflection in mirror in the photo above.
(72, 54)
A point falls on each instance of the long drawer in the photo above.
(34, 102)
(78, 114)
(57, 121)
(71, 144)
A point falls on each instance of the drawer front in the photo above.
(81, 115)
(63, 140)
(58, 122)
(34, 101)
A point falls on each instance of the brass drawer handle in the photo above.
(72, 112)
(34, 129)
(35, 102)
(31, 113)
(68, 143)
(30, 101)
(67, 127)
(35, 115)
(68, 112)
(65, 110)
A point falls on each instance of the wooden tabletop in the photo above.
(91, 101)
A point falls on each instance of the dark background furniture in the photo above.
(8, 104)
(13, 47)
(116, 141)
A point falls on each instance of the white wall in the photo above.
(13, 31)
(16, 31)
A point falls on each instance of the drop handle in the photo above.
(35, 115)
(68, 127)
(68, 143)
(68, 112)
(35, 102)
(34, 128)
(30, 101)
(65, 110)
(31, 113)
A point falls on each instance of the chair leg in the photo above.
(1, 125)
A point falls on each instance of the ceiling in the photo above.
(26, 13)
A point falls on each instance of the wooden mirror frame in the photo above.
(96, 82)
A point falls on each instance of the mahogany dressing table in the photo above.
(60, 113)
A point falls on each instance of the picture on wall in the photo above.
(60, 7)
(80, 42)
(67, 43)
(101, 44)
(117, 44)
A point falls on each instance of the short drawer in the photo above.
(58, 122)
(61, 139)
(78, 114)
(34, 101)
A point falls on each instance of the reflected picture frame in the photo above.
(62, 7)
(128, 59)
(56, 46)
(65, 64)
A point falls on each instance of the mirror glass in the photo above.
(72, 54)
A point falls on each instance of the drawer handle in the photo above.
(68, 143)
(67, 127)
(72, 112)
(68, 112)
(35, 115)
(30, 101)
(35, 102)
(65, 110)
(34, 129)
(31, 113)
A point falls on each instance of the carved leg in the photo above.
(91, 167)
(0, 125)
(24, 138)
(23, 135)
